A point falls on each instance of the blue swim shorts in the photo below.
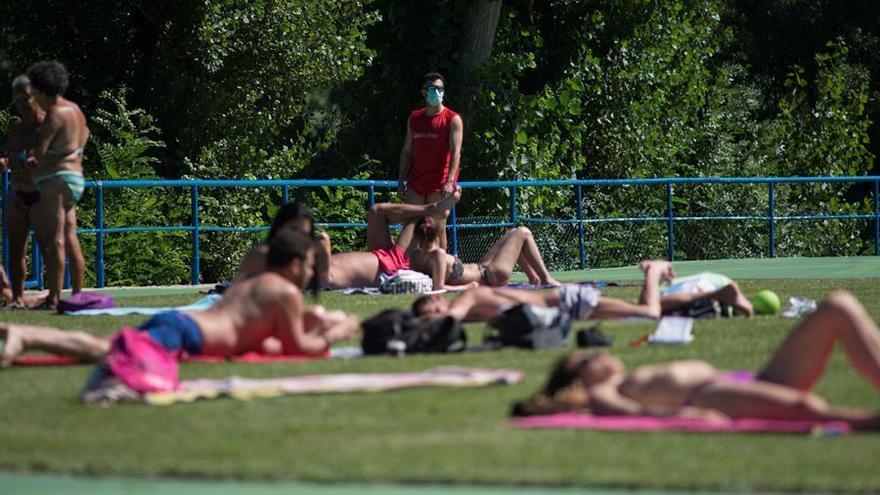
(175, 331)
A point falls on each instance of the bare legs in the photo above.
(783, 387)
(21, 338)
(517, 245)
(57, 226)
(4, 286)
(729, 295)
(649, 305)
(52, 215)
(414, 199)
(802, 357)
(17, 230)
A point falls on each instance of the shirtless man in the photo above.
(581, 302)
(264, 313)
(362, 269)
(58, 175)
(295, 215)
(696, 389)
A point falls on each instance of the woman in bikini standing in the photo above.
(696, 389)
(23, 196)
(58, 175)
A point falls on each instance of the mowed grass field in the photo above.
(432, 436)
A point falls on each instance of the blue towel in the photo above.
(202, 304)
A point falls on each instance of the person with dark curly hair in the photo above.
(58, 175)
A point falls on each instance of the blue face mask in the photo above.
(433, 95)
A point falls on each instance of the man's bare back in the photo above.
(252, 310)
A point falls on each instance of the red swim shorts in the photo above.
(391, 260)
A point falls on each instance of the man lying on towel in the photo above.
(696, 389)
(581, 302)
(263, 313)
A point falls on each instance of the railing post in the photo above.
(371, 195)
(876, 218)
(5, 247)
(670, 228)
(771, 213)
(513, 217)
(196, 268)
(99, 220)
(582, 259)
(37, 267)
(285, 194)
(454, 223)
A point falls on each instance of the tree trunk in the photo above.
(475, 41)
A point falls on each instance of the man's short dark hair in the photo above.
(49, 77)
(418, 304)
(287, 245)
(433, 76)
(288, 213)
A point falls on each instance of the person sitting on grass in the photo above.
(581, 302)
(263, 313)
(516, 246)
(385, 256)
(696, 389)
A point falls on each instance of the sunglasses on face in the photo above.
(438, 89)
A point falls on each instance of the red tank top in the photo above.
(430, 149)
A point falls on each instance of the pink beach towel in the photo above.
(583, 421)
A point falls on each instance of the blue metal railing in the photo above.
(581, 220)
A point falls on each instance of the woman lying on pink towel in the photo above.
(695, 389)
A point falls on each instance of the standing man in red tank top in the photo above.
(431, 151)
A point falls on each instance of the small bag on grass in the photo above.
(85, 300)
(529, 327)
(397, 331)
(135, 365)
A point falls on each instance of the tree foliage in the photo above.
(564, 89)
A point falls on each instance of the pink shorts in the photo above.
(391, 260)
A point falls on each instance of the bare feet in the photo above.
(443, 206)
(12, 344)
(667, 273)
(29, 301)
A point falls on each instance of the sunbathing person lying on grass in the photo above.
(263, 313)
(516, 246)
(692, 388)
(385, 256)
(293, 215)
(580, 302)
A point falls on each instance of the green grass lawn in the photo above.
(434, 436)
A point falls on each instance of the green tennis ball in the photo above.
(766, 302)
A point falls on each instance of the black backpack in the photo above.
(398, 331)
(529, 327)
